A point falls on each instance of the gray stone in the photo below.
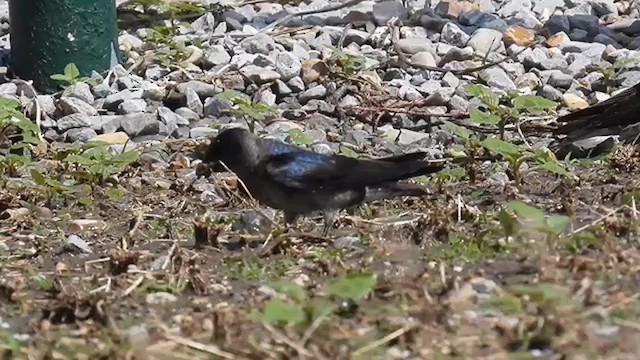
(188, 114)
(71, 105)
(258, 44)
(560, 80)
(281, 88)
(416, 45)
(287, 65)
(8, 89)
(193, 101)
(553, 63)
(628, 78)
(551, 93)
(217, 55)
(316, 92)
(215, 106)
(112, 101)
(75, 244)
(453, 35)
(497, 78)
(356, 36)
(46, 103)
(201, 88)
(423, 58)
(132, 106)
(110, 124)
(182, 132)
(202, 132)
(167, 116)
(102, 91)
(385, 10)
(409, 136)
(79, 90)
(259, 75)
(140, 124)
(161, 298)
(486, 40)
(296, 84)
(73, 121)
(80, 134)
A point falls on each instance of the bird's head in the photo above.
(230, 147)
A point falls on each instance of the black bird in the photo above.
(300, 181)
(618, 115)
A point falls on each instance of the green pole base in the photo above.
(46, 35)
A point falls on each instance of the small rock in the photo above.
(385, 10)
(112, 138)
(188, 114)
(453, 35)
(140, 124)
(217, 55)
(287, 65)
(258, 44)
(167, 116)
(202, 132)
(551, 93)
(415, 45)
(80, 134)
(486, 40)
(316, 92)
(75, 244)
(574, 102)
(203, 89)
(132, 106)
(560, 80)
(79, 90)
(259, 75)
(409, 136)
(73, 121)
(112, 101)
(193, 101)
(215, 106)
(518, 35)
(161, 298)
(8, 89)
(423, 58)
(312, 71)
(558, 40)
(71, 105)
(497, 78)
(556, 24)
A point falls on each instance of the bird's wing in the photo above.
(309, 170)
(618, 110)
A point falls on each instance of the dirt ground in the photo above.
(449, 276)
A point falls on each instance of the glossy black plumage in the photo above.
(299, 181)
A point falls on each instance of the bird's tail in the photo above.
(391, 190)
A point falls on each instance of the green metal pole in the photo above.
(46, 35)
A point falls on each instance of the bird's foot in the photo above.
(329, 221)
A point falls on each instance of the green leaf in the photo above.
(501, 147)
(292, 290)
(298, 137)
(114, 194)
(85, 200)
(526, 211)
(71, 71)
(457, 130)
(482, 117)
(533, 103)
(279, 312)
(230, 95)
(9, 104)
(352, 286)
(628, 197)
(558, 223)
(347, 151)
(484, 94)
(60, 77)
(37, 177)
(554, 167)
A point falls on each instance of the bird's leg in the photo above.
(329, 220)
(290, 220)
